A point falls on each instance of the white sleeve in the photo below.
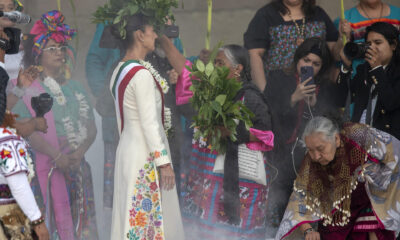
(145, 90)
(22, 193)
(13, 156)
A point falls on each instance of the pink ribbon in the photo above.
(266, 140)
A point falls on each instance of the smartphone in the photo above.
(171, 31)
(305, 73)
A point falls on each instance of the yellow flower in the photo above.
(152, 175)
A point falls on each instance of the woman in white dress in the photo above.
(145, 199)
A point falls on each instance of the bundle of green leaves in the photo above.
(214, 100)
(117, 11)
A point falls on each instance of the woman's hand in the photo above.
(41, 231)
(167, 177)
(224, 131)
(62, 162)
(27, 76)
(312, 100)
(373, 57)
(173, 76)
(253, 138)
(312, 236)
(347, 63)
(302, 92)
(204, 55)
(75, 159)
(40, 124)
(345, 28)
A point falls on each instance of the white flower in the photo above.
(77, 136)
(163, 83)
(55, 89)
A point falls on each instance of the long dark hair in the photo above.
(308, 7)
(135, 22)
(390, 33)
(312, 45)
(240, 56)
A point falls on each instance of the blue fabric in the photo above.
(99, 62)
(353, 16)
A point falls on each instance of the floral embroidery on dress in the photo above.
(283, 43)
(145, 216)
(158, 154)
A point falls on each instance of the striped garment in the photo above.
(202, 205)
(119, 84)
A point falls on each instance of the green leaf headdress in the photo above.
(117, 12)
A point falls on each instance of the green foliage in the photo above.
(214, 100)
(117, 12)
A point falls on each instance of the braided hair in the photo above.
(238, 55)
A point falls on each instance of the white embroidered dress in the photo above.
(140, 209)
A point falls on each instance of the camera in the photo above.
(171, 31)
(11, 46)
(355, 50)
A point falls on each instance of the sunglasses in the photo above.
(54, 50)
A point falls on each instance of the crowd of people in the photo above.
(325, 130)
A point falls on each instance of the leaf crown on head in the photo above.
(117, 12)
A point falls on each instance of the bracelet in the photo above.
(58, 156)
(37, 222)
(308, 230)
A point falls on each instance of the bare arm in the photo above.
(257, 67)
(26, 127)
(40, 144)
(11, 100)
(175, 58)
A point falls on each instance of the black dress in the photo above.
(290, 126)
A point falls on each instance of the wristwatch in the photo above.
(17, 91)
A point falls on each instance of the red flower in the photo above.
(22, 152)
(5, 154)
(153, 186)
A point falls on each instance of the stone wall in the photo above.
(230, 20)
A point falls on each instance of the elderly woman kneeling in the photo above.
(346, 183)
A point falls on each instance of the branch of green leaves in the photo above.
(214, 99)
(117, 12)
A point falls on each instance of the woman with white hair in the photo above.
(347, 183)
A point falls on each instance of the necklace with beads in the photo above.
(366, 14)
(299, 30)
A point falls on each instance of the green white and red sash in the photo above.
(121, 81)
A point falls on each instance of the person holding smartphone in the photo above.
(302, 91)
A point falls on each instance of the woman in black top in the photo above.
(278, 28)
(293, 103)
(376, 86)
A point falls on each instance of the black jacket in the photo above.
(386, 116)
(3, 96)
